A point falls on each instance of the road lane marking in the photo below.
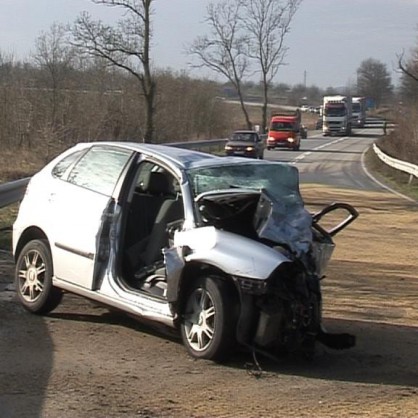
(319, 147)
(363, 165)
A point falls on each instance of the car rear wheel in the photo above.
(33, 278)
(209, 319)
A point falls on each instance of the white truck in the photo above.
(336, 115)
(359, 112)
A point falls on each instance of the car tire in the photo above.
(209, 319)
(33, 278)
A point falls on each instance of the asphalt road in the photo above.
(332, 161)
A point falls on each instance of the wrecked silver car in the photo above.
(220, 248)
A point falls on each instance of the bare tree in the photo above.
(245, 32)
(223, 50)
(54, 55)
(126, 46)
(409, 71)
(267, 22)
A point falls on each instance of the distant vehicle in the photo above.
(359, 112)
(245, 144)
(285, 130)
(219, 248)
(336, 115)
(310, 109)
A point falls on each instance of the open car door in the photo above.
(81, 247)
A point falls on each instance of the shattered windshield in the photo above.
(281, 180)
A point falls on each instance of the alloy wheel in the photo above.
(200, 320)
(31, 276)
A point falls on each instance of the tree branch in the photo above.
(405, 69)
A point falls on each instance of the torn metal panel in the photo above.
(286, 223)
(234, 254)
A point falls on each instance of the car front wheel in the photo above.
(209, 319)
(33, 278)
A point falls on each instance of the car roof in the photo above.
(182, 158)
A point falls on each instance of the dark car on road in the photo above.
(245, 144)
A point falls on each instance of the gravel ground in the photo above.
(83, 361)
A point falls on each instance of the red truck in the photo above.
(286, 130)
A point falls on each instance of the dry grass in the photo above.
(402, 143)
(7, 216)
(21, 162)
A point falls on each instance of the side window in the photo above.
(99, 169)
(144, 173)
(59, 170)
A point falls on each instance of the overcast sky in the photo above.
(328, 39)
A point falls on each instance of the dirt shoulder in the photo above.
(82, 361)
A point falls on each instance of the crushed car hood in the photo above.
(285, 223)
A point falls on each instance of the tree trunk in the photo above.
(242, 104)
(265, 102)
(148, 83)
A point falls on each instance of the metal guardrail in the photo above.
(213, 145)
(409, 168)
(12, 192)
